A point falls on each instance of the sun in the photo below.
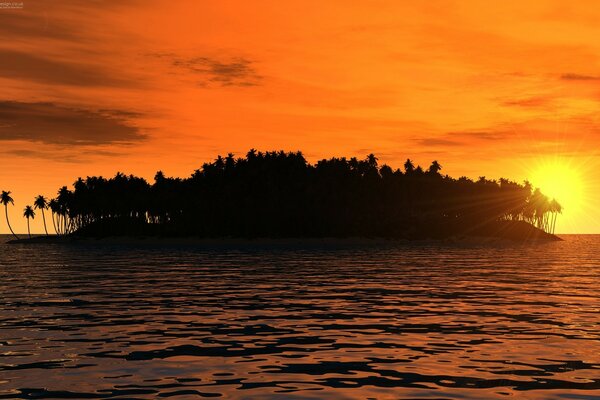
(559, 180)
(562, 180)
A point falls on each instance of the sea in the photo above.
(324, 321)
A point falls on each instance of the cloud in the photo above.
(44, 155)
(462, 138)
(234, 71)
(486, 135)
(531, 102)
(31, 25)
(579, 77)
(435, 142)
(19, 65)
(122, 114)
(58, 154)
(50, 123)
(45, 20)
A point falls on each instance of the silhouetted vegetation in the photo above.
(6, 199)
(29, 214)
(279, 194)
(41, 203)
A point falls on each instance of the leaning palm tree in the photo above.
(28, 213)
(41, 204)
(6, 200)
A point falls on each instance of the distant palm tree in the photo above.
(53, 206)
(409, 166)
(41, 204)
(555, 209)
(64, 197)
(435, 168)
(372, 160)
(28, 213)
(6, 199)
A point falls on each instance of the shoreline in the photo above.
(327, 242)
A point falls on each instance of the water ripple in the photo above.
(421, 321)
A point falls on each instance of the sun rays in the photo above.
(566, 180)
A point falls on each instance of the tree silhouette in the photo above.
(555, 208)
(41, 203)
(280, 194)
(409, 166)
(53, 206)
(6, 199)
(435, 168)
(28, 213)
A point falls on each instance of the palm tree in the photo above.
(6, 199)
(555, 209)
(409, 166)
(28, 213)
(372, 160)
(53, 206)
(63, 199)
(41, 204)
(435, 168)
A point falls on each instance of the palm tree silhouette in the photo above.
(53, 206)
(28, 213)
(41, 203)
(555, 209)
(409, 166)
(435, 168)
(6, 199)
(275, 193)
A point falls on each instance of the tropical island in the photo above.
(277, 194)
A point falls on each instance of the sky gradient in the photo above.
(96, 87)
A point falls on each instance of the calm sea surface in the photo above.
(404, 322)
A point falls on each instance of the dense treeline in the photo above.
(275, 194)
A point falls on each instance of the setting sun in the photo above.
(563, 181)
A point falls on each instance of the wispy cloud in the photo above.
(52, 123)
(579, 77)
(485, 135)
(35, 25)
(59, 154)
(438, 142)
(30, 67)
(463, 138)
(529, 102)
(225, 71)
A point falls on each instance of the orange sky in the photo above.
(96, 87)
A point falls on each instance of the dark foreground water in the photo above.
(410, 322)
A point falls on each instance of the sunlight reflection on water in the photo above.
(420, 321)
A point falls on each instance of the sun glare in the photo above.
(559, 181)
(563, 181)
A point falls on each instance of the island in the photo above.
(278, 194)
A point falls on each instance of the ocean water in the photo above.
(424, 321)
